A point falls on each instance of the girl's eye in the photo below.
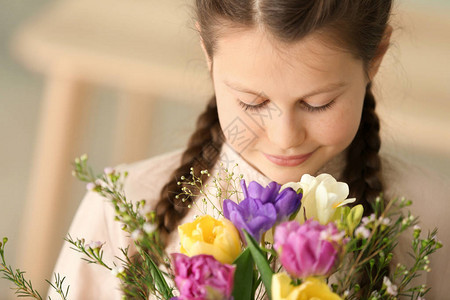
(305, 106)
(311, 108)
(256, 107)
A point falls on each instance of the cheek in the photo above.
(339, 127)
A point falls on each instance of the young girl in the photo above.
(292, 83)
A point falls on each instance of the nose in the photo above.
(286, 131)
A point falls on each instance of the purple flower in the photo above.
(261, 208)
(309, 249)
(202, 277)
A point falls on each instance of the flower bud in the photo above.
(90, 186)
(108, 171)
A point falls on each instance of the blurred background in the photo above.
(80, 76)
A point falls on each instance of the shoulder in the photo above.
(147, 177)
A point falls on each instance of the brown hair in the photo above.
(356, 26)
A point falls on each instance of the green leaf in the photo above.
(160, 281)
(243, 276)
(261, 263)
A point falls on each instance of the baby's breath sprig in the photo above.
(232, 181)
(224, 186)
(194, 187)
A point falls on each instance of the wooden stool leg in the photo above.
(134, 116)
(45, 209)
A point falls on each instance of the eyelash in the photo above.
(306, 106)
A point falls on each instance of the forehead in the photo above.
(254, 57)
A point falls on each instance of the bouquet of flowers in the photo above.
(299, 240)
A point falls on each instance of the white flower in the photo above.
(90, 186)
(391, 288)
(385, 221)
(94, 245)
(136, 235)
(322, 195)
(100, 182)
(368, 220)
(146, 209)
(328, 235)
(149, 228)
(362, 232)
(108, 170)
(117, 271)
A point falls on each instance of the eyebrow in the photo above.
(323, 89)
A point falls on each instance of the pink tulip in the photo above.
(202, 277)
(310, 249)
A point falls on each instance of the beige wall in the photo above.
(413, 88)
(414, 95)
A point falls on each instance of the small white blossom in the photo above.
(328, 235)
(117, 271)
(362, 232)
(90, 186)
(108, 170)
(417, 227)
(94, 245)
(149, 228)
(146, 209)
(101, 183)
(385, 221)
(136, 235)
(391, 288)
(122, 207)
(367, 220)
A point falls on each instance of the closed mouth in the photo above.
(293, 160)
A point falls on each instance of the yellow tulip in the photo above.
(207, 235)
(311, 289)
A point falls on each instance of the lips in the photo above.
(288, 161)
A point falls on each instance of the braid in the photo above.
(201, 153)
(362, 171)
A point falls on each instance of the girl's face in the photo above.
(287, 109)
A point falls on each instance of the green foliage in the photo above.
(369, 257)
(141, 275)
(24, 287)
(243, 276)
(261, 262)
